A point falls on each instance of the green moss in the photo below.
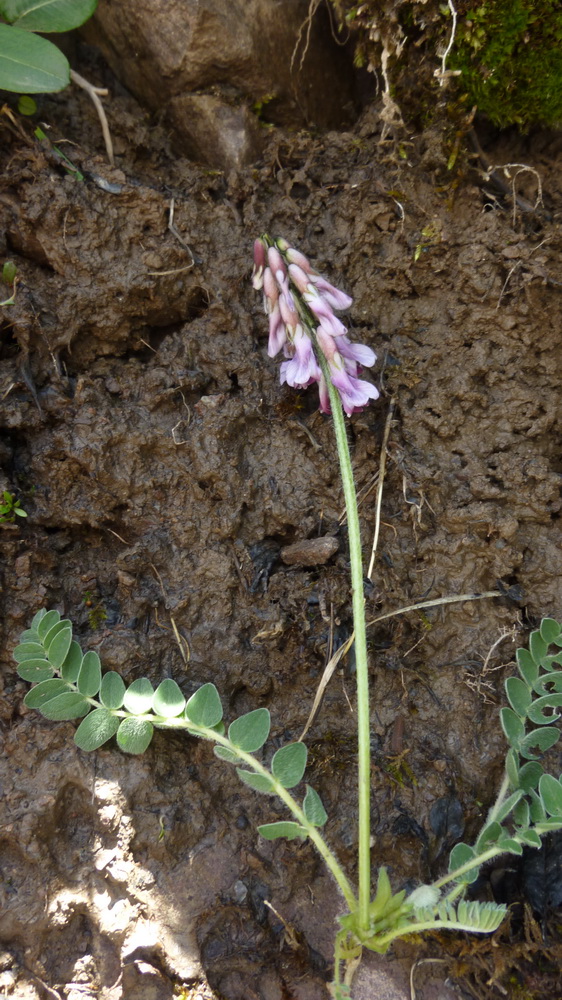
(510, 55)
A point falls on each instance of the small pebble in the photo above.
(310, 551)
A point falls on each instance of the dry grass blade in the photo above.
(325, 680)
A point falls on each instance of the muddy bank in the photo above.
(163, 468)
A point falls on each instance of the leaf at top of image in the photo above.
(47, 15)
(30, 64)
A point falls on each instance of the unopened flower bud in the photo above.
(259, 264)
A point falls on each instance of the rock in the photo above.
(310, 551)
(188, 58)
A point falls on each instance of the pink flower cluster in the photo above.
(297, 299)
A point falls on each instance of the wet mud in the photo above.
(165, 472)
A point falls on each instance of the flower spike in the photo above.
(301, 307)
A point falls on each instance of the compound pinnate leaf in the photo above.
(461, 855)
(259, 782)
(69, 705)
(550, 791)
(96, 729)
(46, 623)
(72, 663)
(512, 726)
(289, 763)
(89, 678)
(519, 695)
(43, 692)
(58, 627)
(204, 707)
(28, 651)
(138, 697)
(35, 671)
(271, 831)
(528, 669)
(168, 699)
(313, 808)
(250, 731)
(223, 753)
(59, 648)
(542, 739)
(47, 15)
(550, 630)
(134, 735)
(112, 690)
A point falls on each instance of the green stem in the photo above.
(358, 603)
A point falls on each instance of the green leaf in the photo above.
(134, 735)
(27, 106)
(47, 15)
(510, 845)
(223, 753)
(530, 837)
(519, 695)
(549, 683)
(536, 713)
(550, 630)
(96, 729)
(537, 646)
(138, 698)
(512, 726)
(72, 663)
(69, 705)
(35, 670)
(168, 699)
(508, 805)
(250, 731)
(204, 707)
(271, 831)
(289, 763)
(522, 815)
(37, 617)
(28, 651)
(543, 739)
(313, 808)
(489, 837)
(527, 667)
(529, 775)
(512, 769)
(259, 782)
(89, 678)
(46, 623)
(461, 855)
(112, 690)
(30, 64)
(59, 648)
(58, 627)
(30, 635)
(538, 814)
(550, 791)
(41, 693)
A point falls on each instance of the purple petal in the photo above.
(323, 311)
(360, 353)
(333, 296)
(277, 332)
(302, 369)
(355, 392)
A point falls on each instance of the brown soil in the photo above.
(162, 467)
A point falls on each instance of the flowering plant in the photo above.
(69, 684)
(301, 307)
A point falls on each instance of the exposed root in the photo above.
(95, 93)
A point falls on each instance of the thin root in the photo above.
(95, 93)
